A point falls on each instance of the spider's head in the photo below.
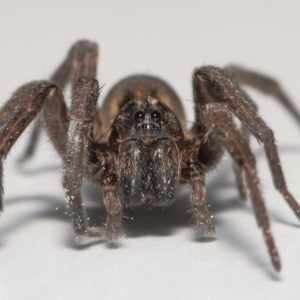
(146, 119)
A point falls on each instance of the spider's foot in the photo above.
(113, 227)
(207, 226)
(204, 220)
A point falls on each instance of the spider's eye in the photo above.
(139, 116)
(155, 116)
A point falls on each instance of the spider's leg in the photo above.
(80, 61)
(78, 159)
(55, 119)
(211, 85)
(18, 113)
(32, 143)
(264, 84)
(217, 116)
(79, 135)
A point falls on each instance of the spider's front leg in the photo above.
(79, 137)
(81, 157)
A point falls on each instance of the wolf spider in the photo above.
(136, 146)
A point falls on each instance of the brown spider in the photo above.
(136, 146)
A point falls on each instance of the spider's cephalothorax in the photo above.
(137, 146)
(146, 137)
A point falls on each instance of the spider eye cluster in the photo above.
(140, 116)
(147, 122)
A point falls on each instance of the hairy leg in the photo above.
(79, 137)
(200, 207)
(264, 84)
(211, 85)
(18, 113)
(218, 117)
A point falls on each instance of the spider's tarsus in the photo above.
(276, 263)
(275, 259)
(208, 228)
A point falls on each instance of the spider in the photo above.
(136, 146)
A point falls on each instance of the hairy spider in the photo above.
(137, 146)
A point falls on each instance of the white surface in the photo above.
(161, 257)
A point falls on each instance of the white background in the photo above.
(162, 256)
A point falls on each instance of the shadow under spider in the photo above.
(141, 221)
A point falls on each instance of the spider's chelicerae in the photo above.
(137, 147)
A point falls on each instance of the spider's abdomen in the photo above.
(148, 173)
